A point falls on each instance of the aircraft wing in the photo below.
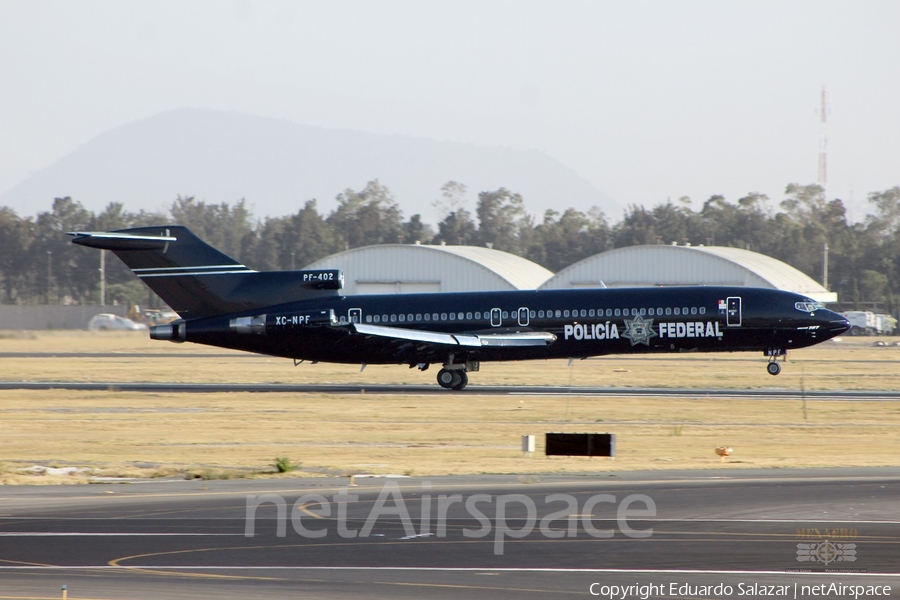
(472, 340)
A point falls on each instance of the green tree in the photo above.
(219, 225)
(70, 273)
(370, 216)
(17, 260)
(457, 228)
(500, 218)
(415, 230)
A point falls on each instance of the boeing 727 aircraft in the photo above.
(302, 314)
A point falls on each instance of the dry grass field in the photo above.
(113, 433)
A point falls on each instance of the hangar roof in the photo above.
(457, 268)
(687, 265)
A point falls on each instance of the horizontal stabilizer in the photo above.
(120, 241)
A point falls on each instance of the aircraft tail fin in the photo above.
(195, 279)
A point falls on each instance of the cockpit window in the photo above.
(809, 306)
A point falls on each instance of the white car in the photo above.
(110, 322)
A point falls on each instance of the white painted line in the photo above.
(99, 534)
(448, 570)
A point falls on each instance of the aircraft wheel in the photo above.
(773, 368)
(447, 378)
(463, 380)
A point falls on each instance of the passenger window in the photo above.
(591, 313)
(643, 311)
(468, 316)
(478, 315)
(452, 316)
(668, 311)
(393, 318)
(583, 313)
(558, 314)
(702, 310)
(532, 314)
(652, 311)
(418, 317)
(384, 319)
(435, 317)
(565, 313)
(427, 317)
(677, 311)
(368, 318)
(377, 318)
(443, 316)
(684, 310)
(505, 314)
(617, 312)
(402, 318)
(460, 316)
(608, 312)
(693, 310)
(659, 311)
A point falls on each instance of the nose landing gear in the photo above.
(773, 368)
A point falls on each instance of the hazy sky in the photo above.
(645, 99)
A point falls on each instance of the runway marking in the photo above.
(309, 512)
(586, 484)
(23, 563)
(451, 519)
(110, 534)
(448, 570)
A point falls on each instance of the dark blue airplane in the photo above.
(302, 314)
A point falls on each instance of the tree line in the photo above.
(39, 265)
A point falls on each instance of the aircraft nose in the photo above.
(832, 323)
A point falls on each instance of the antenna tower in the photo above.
(824, 109)
(823, 139)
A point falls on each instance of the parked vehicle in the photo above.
(151, 316)
(866, 322)
(886, 324)
(110, 322)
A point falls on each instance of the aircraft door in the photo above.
(733, 314)
(354, 315)
(523, 316)
(496, 317)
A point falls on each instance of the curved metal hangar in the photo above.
(656, 266)
(414, 268)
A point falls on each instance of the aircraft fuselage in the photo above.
(587, 322)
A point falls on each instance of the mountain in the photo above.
(276, 165)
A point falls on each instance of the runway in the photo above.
(489, 390)
(447, 537)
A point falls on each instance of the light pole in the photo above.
(102, 277)
(49, 272)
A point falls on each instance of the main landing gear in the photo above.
(453, 376)
(452, 379)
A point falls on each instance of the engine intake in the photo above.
(176, 331)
